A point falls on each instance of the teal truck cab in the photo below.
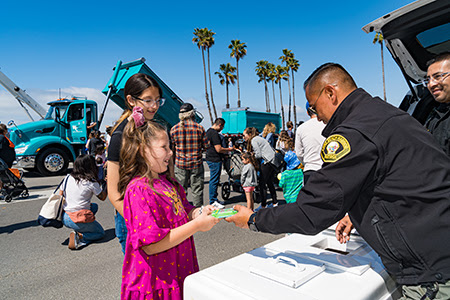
(50, 144)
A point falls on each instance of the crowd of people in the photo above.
(356, 162)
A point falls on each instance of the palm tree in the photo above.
(238, 51)
(200, 40)
(226, 76)
(209, 41)
(281, 74)
(271, 76)
(379, 39)
(262, 72)
(287, 54)
(293, 65)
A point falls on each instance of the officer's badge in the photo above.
(334, 148)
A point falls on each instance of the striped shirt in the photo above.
(291, 182)
(189, 141)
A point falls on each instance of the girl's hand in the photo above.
(205, 221)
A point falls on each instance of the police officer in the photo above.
(383, 169)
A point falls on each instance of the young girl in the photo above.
(160, 251)
(248, 177)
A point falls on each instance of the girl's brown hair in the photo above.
(132, 155)
(251, 158)
(286, 139)
(252, 132)
(134, 87)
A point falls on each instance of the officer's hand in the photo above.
(343, 229)
(241, 218)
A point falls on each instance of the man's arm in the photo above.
(327, 196)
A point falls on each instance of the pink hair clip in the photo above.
(138, 116)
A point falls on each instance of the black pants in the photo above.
(266, 179)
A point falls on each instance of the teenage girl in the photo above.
(249, 178)
(160, 250)
(142, 91)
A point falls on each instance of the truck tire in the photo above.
(52, 161)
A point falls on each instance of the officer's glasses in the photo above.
(438, 78)
(151, 102)
(312, 107)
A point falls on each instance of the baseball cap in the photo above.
(291, 160)
(186, 107)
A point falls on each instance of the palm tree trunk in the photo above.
(237, 77)
(206, 87)
(290, 97)
(282, 109)
(382, 70)
(274, 101)
(228, 99)
(293, 98)
(266, 93)
(210, 87)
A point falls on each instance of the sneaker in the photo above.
(74, 241)
(218, 205)
(275, 205)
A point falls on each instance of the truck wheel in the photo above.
(52, 161)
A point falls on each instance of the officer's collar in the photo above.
(344, 109)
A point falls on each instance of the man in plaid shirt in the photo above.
(189, 142)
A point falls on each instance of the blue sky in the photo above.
(73, 46)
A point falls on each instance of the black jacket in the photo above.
(394, 183)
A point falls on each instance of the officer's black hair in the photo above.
(324, 69)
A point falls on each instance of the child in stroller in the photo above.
(12, 184)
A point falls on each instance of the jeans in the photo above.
(197, 179)
(215, 169)
(91, 231)
(121, 230)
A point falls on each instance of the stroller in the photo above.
(233, 167)
(13, 185)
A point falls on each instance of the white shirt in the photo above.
(308, 144)
(78, 196)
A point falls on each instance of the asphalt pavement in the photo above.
(35, 262)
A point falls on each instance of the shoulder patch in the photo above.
(334, 148)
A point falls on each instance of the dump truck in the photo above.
(48, 145)
(237, 119)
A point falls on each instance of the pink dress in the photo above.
(149, 218)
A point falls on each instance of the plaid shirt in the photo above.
(189, 142)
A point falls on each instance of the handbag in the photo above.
(52, 210)
(82, 216)
(278, 160)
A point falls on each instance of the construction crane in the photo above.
(22, 97)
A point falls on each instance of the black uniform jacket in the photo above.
(394, 183)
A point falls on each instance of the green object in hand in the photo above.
(224, 213)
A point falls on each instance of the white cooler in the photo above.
(297, 267)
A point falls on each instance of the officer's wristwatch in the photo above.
(251, 223)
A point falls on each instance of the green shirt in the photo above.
(291, 182)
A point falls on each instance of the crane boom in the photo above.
(21, 96)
